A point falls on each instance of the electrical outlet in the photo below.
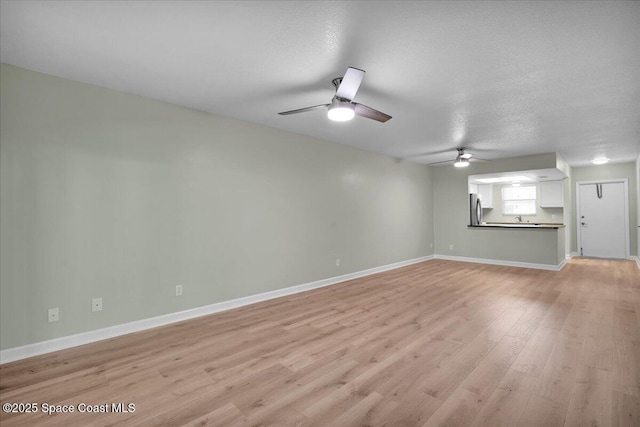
(178, 290)
(54, 314)
(96, 304)
(450, 247)
(337, 262)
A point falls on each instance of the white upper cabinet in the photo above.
(551, 194)
(485, 192)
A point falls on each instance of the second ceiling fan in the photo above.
(462, 159)
(342, 107)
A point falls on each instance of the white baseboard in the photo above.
(35, 349)
(504, 263)
(636, 259)
(574, 254)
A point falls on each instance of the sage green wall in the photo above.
(105, 194)
(537, 246)
(567, 213)
(542, 214)
(562, 252)
(605, 172)
(638, 205)
(451, 216)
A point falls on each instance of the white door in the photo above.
(603, 220)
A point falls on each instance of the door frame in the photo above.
(625, 181)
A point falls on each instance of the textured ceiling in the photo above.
(504, 79)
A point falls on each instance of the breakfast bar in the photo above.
(536, 245)
(552, 226)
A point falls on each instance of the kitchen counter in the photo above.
(541, 245)
(528, 225)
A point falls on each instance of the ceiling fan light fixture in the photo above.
(461, 163)
(341, 111)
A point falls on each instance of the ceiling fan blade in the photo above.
(302, 110)
(350, 83)
(431, 153)
(370, 113)
(475, 159)
(465, 156)
(439, 163)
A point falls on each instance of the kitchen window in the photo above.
(519, 200)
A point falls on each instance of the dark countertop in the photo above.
(532, 225)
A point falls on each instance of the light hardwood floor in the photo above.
(436, 343)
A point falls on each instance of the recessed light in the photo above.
(600, 161)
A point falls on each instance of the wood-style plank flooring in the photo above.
(436, 343)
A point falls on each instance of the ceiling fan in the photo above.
(342, 107)
(462, 159)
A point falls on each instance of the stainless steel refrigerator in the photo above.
(475, 209)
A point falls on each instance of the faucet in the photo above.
(519, 218)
